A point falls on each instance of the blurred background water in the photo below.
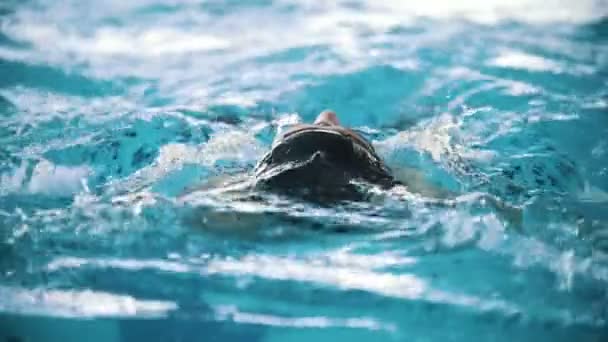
(109, 110)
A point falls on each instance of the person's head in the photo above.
(322, 162)
(327, 118)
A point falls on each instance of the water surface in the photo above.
(110, 110)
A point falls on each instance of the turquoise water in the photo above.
(111, 110)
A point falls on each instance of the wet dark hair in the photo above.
(321, 163)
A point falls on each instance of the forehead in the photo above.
(329, 117)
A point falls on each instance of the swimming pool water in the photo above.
(111, 110)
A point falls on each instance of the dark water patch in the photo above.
(182, 326)
(52, 79)
(229, 114)
(8, 161)
(533, 175)
(577, 136)
(408, 30)
(598, 30)
(6, 40)
(14, 201)
(237, 115)
(46, 329)
(221, 8)
(188, 325)
(155, 9)
(120, 152)
(8, 7)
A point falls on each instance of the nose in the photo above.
(327, 117)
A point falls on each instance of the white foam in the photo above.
(324, 270)
(433, 137)
(39, 106)
(404, 286)
(234, 145)
(149, 42)
(592, 193)
(51, 179)
(232, 313)
(13, 181)
(521, 60)
(345, 258)
(125, 264)
(79, 304)
(493, 11)
(599, 149)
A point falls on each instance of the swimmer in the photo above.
(322, 161)
(325, 162)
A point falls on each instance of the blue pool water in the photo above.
(111, 110)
